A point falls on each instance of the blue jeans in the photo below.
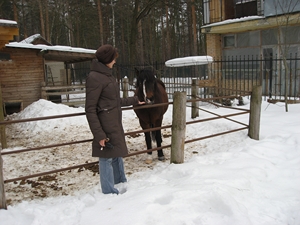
(111, 172)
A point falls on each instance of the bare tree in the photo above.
(139, 12)
(40, 2)
(194, 25)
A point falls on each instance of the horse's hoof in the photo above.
(161, 158)
(148, 159)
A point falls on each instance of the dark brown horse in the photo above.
(151, 90)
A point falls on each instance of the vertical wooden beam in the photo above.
(195, 110)
(4, 145)
(178, 127)
(255, 111)
(125, 87)
(2, 127)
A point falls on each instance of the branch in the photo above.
(146, 10)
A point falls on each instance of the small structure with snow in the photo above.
(189, 61)
(34, 62)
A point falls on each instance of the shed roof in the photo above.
(59, 53)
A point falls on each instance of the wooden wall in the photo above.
(21, 77)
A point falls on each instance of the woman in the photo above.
(104, 115)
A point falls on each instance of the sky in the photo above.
(226, 180)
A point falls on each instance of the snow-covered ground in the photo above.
(230, 179)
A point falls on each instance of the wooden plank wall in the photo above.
(21, 77)
(215, 8)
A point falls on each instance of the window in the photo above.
(229, 41)
(4, 56)
(245, 8)
(248, 39)
(269, 37)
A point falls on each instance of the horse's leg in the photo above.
(158, 138)
(149, 146)
(148, 141)
(144, 126)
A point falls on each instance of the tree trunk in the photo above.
(24, 20)
(41, 5)
(137, 16)
(48, 36)
(140, 45)
(194, 24)
(100, 22)
(168, 41)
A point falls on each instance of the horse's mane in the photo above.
(145, 74)
(149, 75)
(161, 83)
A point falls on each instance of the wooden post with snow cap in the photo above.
(125, 87)
(195, 110)
(178, 127)
(255, 111)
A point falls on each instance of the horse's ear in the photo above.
(136, 71)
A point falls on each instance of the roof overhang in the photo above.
(251, 23)
(57, 53)
(67, 57)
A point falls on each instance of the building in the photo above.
(263, 29)
(28, 66)
(251, 27)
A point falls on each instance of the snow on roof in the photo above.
(2, 21)
(189, 61)
(247, 18)
(30, 39)
(50, 48)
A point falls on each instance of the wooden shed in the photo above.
(23, 71)
(8, 29)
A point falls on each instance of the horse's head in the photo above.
(145, 85)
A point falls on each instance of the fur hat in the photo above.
(106, 54)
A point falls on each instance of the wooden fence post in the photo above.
(2, 191)
(4, 145)
(2, 127)
(125, 87)
(178, 127)
(255, 111)
(195, 110)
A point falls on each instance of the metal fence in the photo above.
(279, 77)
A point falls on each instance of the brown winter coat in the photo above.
(103, 111)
